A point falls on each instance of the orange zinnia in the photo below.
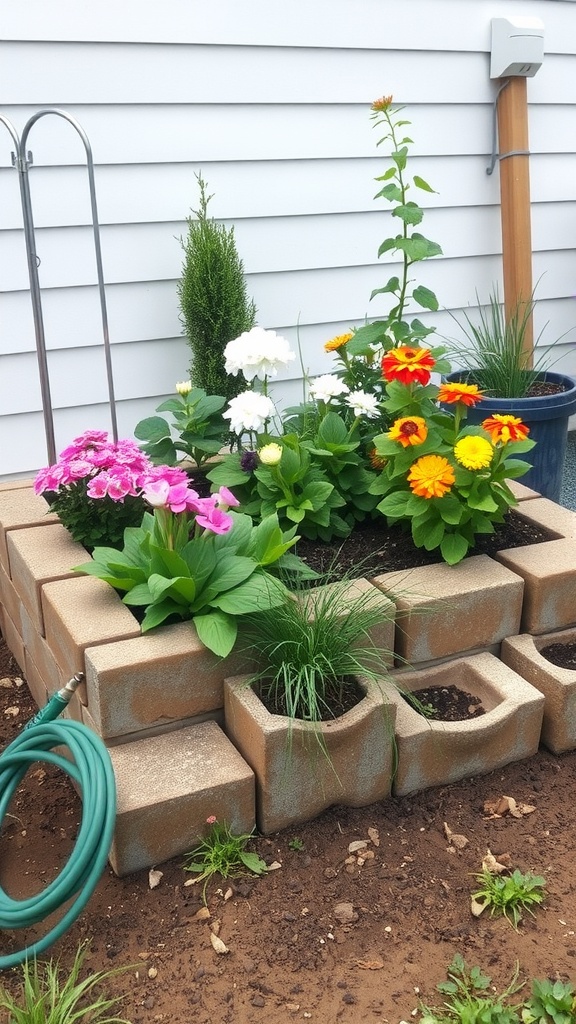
(408, 364)
(408, 430)
(431, 476)
(467, 394)
(382, 104)
(505, 428)
(337, 342)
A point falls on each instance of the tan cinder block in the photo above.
(35, 682)
(167, 787)
(549, 573)
(83, 612)
(156, 730)
(432, 753)
(38, 556)
(17, 485)
(158, 677)
(550, 516)
(444, 610)
(522, 653)
(302, 768)
(521, 492)
(10, 599)
(20, 507)
(52, 675)
(13, 640)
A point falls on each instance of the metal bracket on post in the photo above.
(21, 161)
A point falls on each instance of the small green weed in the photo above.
(296, 844)
(45, 999)
(469, 1001)
(552, 1002)
(222, 853)
(509, 895)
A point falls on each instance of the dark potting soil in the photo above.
(375, 548)
(563, 655)
(338, 697)
(445, 703)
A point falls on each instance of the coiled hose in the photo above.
(88, 764)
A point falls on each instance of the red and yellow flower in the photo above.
(408, 365)
(338, 342)
(409, 430)
(467, 394)
(474, 452)
(431, 476)
(381, 105)
(505, 428)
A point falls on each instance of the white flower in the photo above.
(257, 353)
(363, 404)
(249, 411)
(270, 454)
(183, 387)
(327, 387)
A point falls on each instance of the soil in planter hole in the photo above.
(563, 655)
(338, 697)
(445, 703)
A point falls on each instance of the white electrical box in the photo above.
(517, 47)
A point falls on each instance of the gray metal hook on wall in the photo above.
(22, 161)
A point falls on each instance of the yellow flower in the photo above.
(431, 476)
(270, 454)
(474, 452)
(409, 430)
(337, 342)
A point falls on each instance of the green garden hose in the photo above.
(88, 764)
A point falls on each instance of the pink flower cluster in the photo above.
(113, 469)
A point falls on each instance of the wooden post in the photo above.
(515, 200)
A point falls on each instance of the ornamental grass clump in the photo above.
(448, 481)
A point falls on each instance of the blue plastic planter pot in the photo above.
(547, 416)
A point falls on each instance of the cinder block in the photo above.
(19, 508)
(434, 753)
(83, 612)
(521, 492)
(445, 610)
(155, 730)
(13, 640)
(549, 574)
(10, 599)
(35, 682)
(17, 485)
(38, 556)
(44, 661)
(549, 516)
(152, 679)
(522, 653)
(168, 786)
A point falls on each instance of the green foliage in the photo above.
(469, 999)
(48, 999)
(496, 354)
(222, 853)
(213, 299)
(313, 645)
(90, 521)
(509, 895)
(412, 246)
(200, 428)
(551, 1002)
(210, 578)
(296, 844)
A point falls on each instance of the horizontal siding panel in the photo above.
(53, 73)
(152, 252)
(341, 23)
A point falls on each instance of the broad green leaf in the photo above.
(158, 585)
(394, 505)
(387, 175)
(216, 631)
(420, 183)
(432, 248)
(171, 405)
(258, 593)
(424, 297)
(153, 429)
(229, 573)
(453, 548)
(409, 213)
(139, 595)
(315, 494)
(370, 334)
(156, 614)
(400, 157)
(253, 862)
(332, 429)
(390, 192)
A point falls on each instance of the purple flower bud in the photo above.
(249, 461)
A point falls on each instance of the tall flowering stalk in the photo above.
(445, 479)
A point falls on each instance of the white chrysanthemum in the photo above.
(363, 404)
(249, 411)
(327, 387)
(258, 353)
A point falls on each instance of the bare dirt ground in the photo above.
(293, 955)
